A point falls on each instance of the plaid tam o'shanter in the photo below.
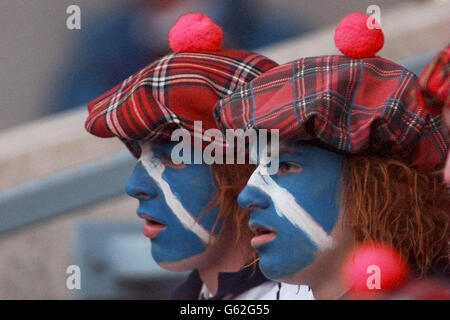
(171, 93)
(350, 105)
(434, 83)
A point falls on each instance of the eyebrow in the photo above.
(284, 149)
(287, 149)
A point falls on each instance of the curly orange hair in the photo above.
(230, 180)
(385, 200)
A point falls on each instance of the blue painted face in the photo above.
(176, 196)
(294, 210)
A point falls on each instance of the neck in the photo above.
(324, 284)
(230, 258)
(323, 274)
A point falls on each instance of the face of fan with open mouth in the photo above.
(173, 200)
(293, 212)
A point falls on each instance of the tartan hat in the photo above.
(354, 106)
(434, 83)
(174, 91)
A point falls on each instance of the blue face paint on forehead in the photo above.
(176, 196)
(300, 204)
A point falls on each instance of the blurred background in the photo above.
(61, 191)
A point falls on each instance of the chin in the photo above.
(270, 269)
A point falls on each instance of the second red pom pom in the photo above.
(195, 32)
(355, 39)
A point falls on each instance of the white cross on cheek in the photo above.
(286, 206)
(155, 170)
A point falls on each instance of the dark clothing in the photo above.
(231, 284)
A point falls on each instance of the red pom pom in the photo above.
(372, 268)
(354, 38)
(195, 32)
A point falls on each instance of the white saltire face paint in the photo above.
(283, 201)
(301, 207)
(155, 170)
(286, 206)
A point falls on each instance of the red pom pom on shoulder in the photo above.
(355, 39)
(373, 268)
(195, 32)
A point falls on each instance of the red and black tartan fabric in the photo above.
(348, 105)
(434, 83)
(172, 93)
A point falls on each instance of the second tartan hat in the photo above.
(353, 106)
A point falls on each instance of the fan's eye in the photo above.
(288, 167)
(167, 161)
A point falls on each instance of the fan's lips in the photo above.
(151, 227)
(263, 235)
(150, 219)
